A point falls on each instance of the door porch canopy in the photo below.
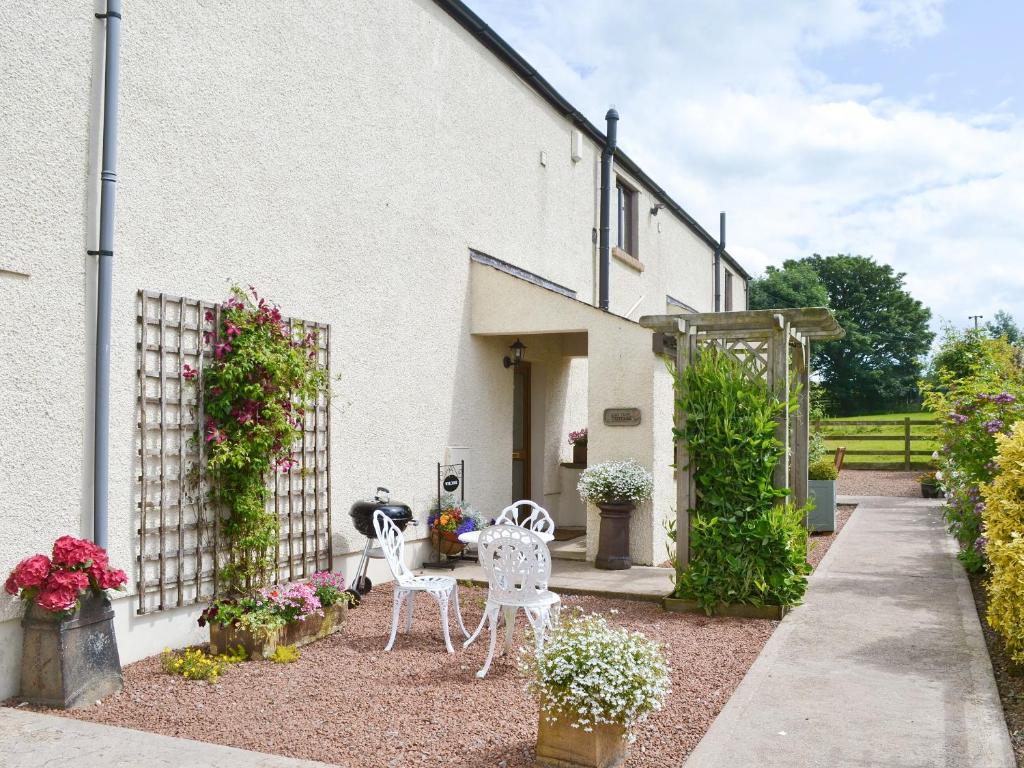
(770, 344)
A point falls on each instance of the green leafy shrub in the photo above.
(823, 469)
(1004, 530)
(285, 654)
(746, 546)
(192, 664)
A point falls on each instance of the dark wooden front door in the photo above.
(521, 432)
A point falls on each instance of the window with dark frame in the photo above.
(627, 215)
(728, 291)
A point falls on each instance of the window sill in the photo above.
(630, 261)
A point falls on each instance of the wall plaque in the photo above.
(621, 417)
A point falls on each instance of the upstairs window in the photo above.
(728, 291)
(626, 237)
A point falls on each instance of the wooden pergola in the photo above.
(771, 344)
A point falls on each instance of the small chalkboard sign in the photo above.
(621, 417)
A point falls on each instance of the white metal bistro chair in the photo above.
(518, 565)
(407, 584)
(538, 521)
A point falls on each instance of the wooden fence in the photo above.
(911, 455)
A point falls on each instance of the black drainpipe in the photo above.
(605, 248)
(718, 261)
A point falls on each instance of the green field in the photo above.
(861, 452)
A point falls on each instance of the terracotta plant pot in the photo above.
(263, 645)
(613, 541)
(70, 661)
(559, 745)
(446, 542)
(579, 453)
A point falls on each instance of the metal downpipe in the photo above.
(105, 265)
(718, 261)
(604, 249)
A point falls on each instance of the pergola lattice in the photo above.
(771, 344)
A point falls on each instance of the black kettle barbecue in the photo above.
(362, 517)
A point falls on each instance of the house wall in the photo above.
(343, 160)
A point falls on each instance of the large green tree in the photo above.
(878, 363)
(1002, 324)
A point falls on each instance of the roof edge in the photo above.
(491, 40)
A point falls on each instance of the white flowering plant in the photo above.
(588, 672)
(616, 481)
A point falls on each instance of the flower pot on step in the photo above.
(559, 745)
(613, 540)
(579, 453)
(822, 517)
(70, 660)
(261, 645)
(446, 542)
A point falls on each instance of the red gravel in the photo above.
(867, 482)
(349, 703)
(820, 542)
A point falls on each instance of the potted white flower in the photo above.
(595, 684)
(616, 487)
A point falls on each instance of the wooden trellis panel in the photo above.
(181, 548)
(750, 350)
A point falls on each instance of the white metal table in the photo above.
(473, 537)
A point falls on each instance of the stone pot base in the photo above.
(298, 633)
(559, 745)
(613, 539)
(70, 662)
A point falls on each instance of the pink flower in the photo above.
(112, 578)
(232, 330)
(214, 435)
(221, 348)
(60, 591)
(71, 552)
(30, 572)
(188, 372)
(209, 315)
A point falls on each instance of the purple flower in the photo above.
(993, 426)
(979, 507)
(958, 418)
(188, 372)
(1004, 398)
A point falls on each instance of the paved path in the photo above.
(883, 666)
(33, 740)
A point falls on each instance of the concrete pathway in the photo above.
(33, 740)
(883, 666)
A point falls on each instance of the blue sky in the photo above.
(890, 128)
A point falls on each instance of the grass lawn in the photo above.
(885, 437)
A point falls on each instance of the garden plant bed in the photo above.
(1010, 685)
(349, 703)
(297, 633)
(820, 542)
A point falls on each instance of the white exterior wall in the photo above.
(343, 160)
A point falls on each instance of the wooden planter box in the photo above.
(559, 745)
(72, 661)
(263, 645)
(741, 610)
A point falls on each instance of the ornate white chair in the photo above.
(538, 521)
(407, 585)
(518, 566)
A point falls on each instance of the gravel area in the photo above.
(820, 542)
(1009, 677)
(347, 702)
(867, 482)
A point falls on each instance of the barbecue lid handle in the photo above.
(387, 494)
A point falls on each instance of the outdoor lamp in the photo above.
(518, 348)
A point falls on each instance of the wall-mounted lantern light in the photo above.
(657, 207)
(517, 348)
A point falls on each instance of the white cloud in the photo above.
(719, 105)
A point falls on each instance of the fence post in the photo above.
(906, 443)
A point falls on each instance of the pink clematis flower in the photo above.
(188, 372)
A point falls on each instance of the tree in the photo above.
(877, 364)
(1002, 324)
(796, 284)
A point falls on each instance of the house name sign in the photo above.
(621, 417)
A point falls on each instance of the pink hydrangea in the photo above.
(30, 572)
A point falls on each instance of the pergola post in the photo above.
(684, 472)
(778, 381)
(801, 427)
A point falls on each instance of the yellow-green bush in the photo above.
(285, 654)
(192, 664)
(1004, 528)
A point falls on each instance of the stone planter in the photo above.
(579, 453)
(613, 541)
(263, 645)
(822, 517)
(70, 661)
(446, 542)
(930, 491)
(559, 745)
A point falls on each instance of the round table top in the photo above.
(473, 537)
